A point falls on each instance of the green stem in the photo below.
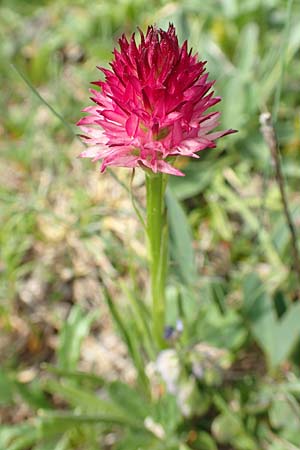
(157, 234)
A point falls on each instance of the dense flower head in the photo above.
(152, 106)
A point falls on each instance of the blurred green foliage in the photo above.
(231, 279)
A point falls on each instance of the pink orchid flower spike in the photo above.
(152, 106)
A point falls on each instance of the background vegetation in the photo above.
(72, 250)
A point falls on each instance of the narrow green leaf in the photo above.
(129, 400)
(77, 375)
(247, 49)
(61, 421)
(181, 241)
(131, 343)
(141, 318)
(7, 388)
(283, 58)
(25, 440)
(220, 222)
(82, 398)
(72, 334)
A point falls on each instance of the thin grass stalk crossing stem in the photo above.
(157, 249)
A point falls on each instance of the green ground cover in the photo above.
(72, 251)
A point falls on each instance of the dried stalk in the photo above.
(270, 138)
